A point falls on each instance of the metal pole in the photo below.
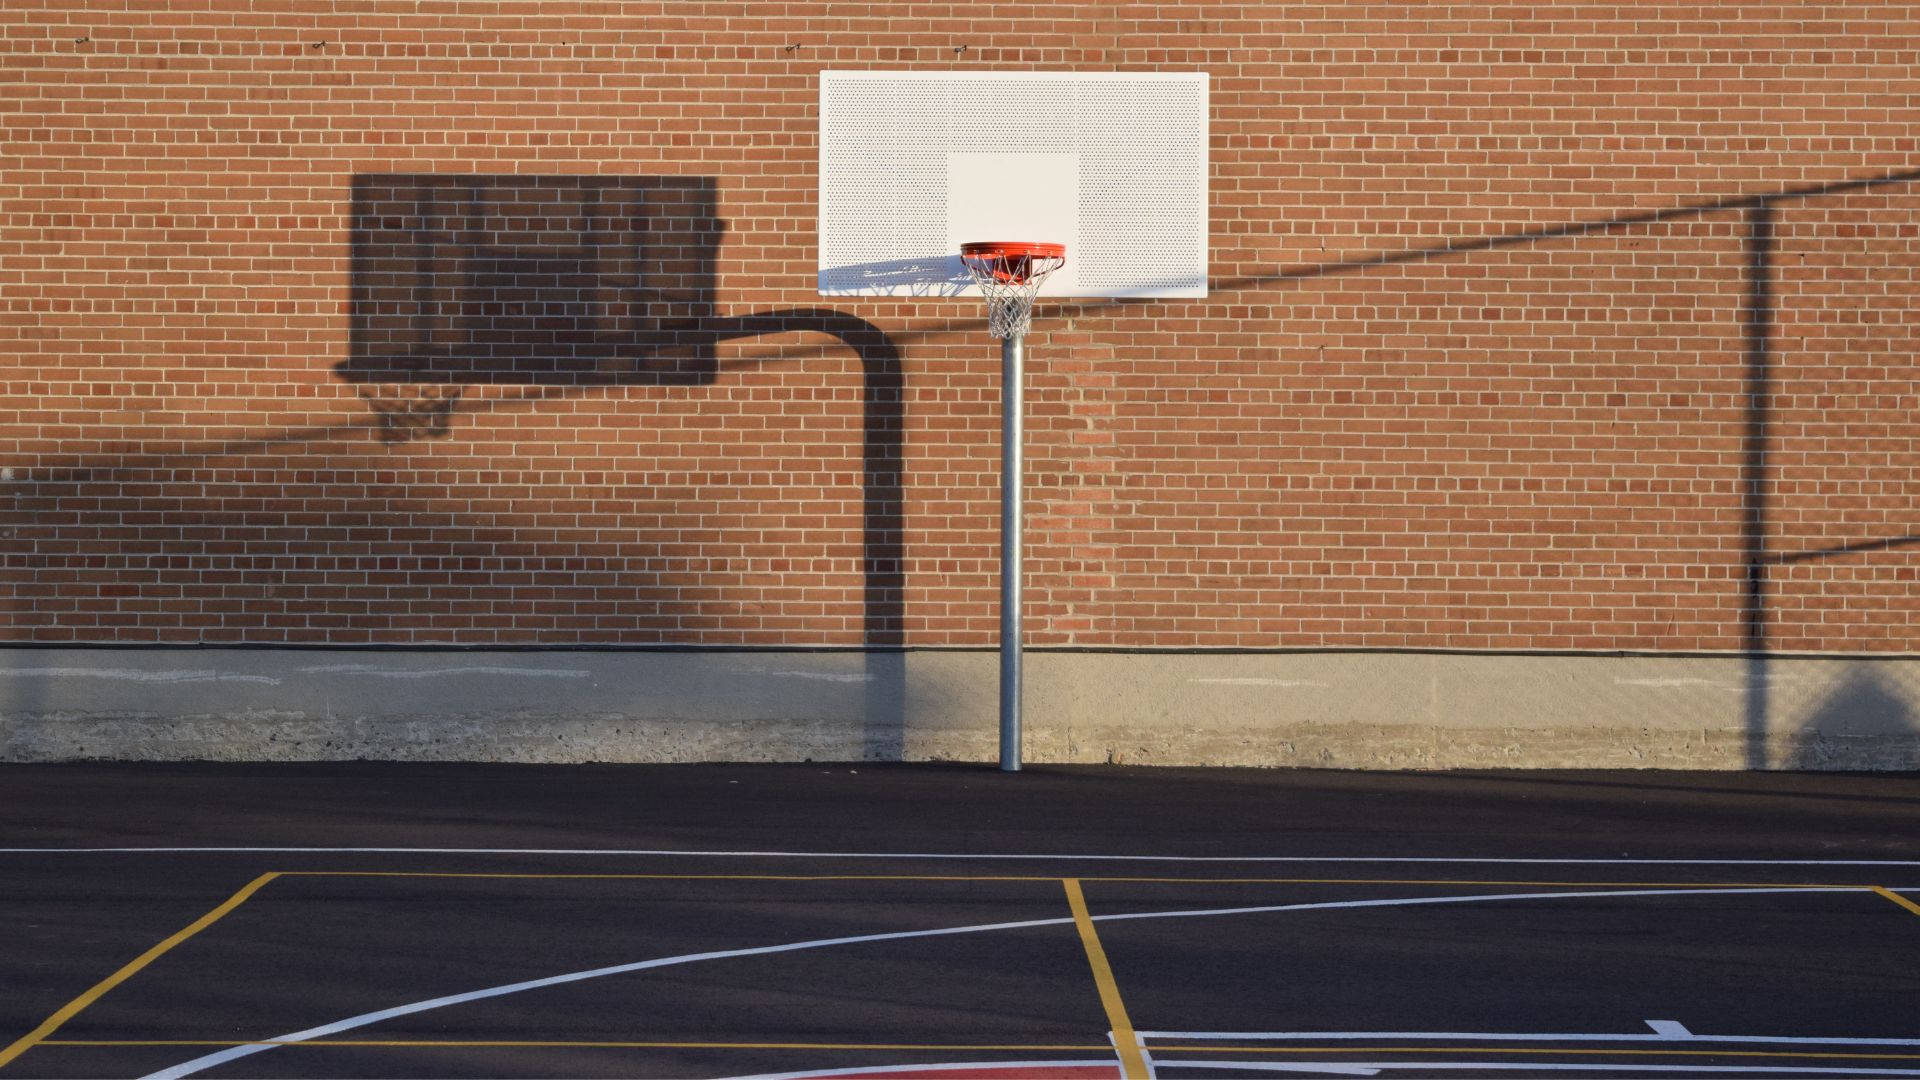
(1012, 361)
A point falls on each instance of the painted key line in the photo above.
(1664, 1031)
(1479, 860)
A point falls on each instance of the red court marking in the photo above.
(985, 1073)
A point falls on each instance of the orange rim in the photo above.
(988, 249)
(1010, 260)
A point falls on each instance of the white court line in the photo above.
(1508, 1036)
(868, 1070)
(208, 1061)
(1416, 901)
(974, 856)
(1414, 1068)
(1317, 1068)
(1670, 1029)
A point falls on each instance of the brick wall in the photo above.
(1550, 326)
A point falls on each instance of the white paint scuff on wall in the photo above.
(432, 673)
(136, 675)
(1283, 683)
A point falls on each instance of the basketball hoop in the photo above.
(1009, 274)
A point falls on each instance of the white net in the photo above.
(1010, 282)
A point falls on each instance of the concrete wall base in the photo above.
(1364, 710)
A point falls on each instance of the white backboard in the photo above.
(1112, 164)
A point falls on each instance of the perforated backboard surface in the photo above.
(915, 163)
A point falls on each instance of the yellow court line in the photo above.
(1467, 881)
(1898, 899)
(589, 1045)
(1133, 1062)
(667, 877)
(1084, 877)
(72, 1008)
(1160, 1048)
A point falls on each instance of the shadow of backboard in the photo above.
(596, 281)
(460, 279)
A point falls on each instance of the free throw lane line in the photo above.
(1109, 878)
(1511, 1036)
(1544, 1051)
(1147, 1042)
(597, 1044)
(1102, 1069)
(970, 856)
(72, 1008)
(1612, 1068)
(1132, 1064)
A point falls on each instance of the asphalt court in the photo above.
(467, 959)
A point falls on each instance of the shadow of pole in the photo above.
(883, 516)
(882, 502)
(1758, 320)
(882, 450)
